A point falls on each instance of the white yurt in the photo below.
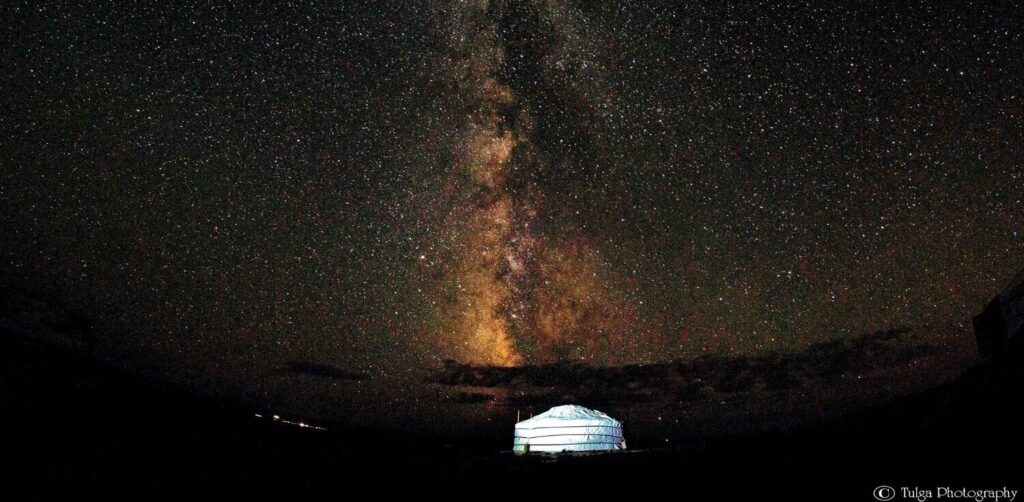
(568, 428)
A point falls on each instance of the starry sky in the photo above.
(382, 186)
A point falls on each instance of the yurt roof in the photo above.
(569, 414)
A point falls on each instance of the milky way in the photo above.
(515, 295)
(380, 187)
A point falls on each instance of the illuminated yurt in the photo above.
(568, 428)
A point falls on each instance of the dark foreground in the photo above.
(73, 429)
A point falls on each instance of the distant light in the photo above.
(277, 417)
(259, 416)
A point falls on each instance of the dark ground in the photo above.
(75, 429)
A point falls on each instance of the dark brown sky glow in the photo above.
(381, 187)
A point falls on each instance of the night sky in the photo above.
(381, 187)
